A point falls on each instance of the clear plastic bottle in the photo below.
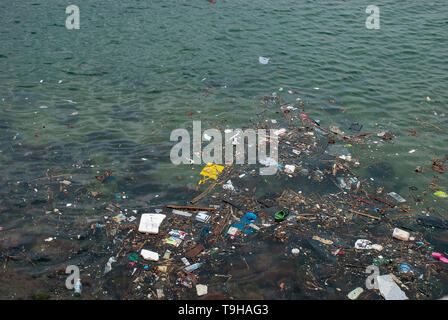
(78, 287)
(193, 267)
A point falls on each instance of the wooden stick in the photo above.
(191, 208)
(203, 194)
(390, 204)
(247, 265)
(232, 204)
(429, 124)
(28, 259)
(364, 214)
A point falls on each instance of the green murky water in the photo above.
(109, 94)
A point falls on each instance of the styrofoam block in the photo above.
(201, 289)
(149, 255)
(150, 222)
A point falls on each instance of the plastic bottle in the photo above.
(78, 287)
(193, 267)
(397, 197)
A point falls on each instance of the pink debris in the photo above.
(304, 116)
(440, 257)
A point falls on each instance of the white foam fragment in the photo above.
(182, 213)
(201, 289)
(389, 289)
(263, 60)
(150, 222)
(149, 255)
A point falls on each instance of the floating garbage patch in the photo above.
(315, 230)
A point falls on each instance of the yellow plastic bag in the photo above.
(441, 194)
(211, 171)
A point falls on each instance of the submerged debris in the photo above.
(311, 228)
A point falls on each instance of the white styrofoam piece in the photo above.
(202, 217)
(389, 289)
(182, 213)
(149, 255)
(401, 234)
(150, 222)
(201, 289)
